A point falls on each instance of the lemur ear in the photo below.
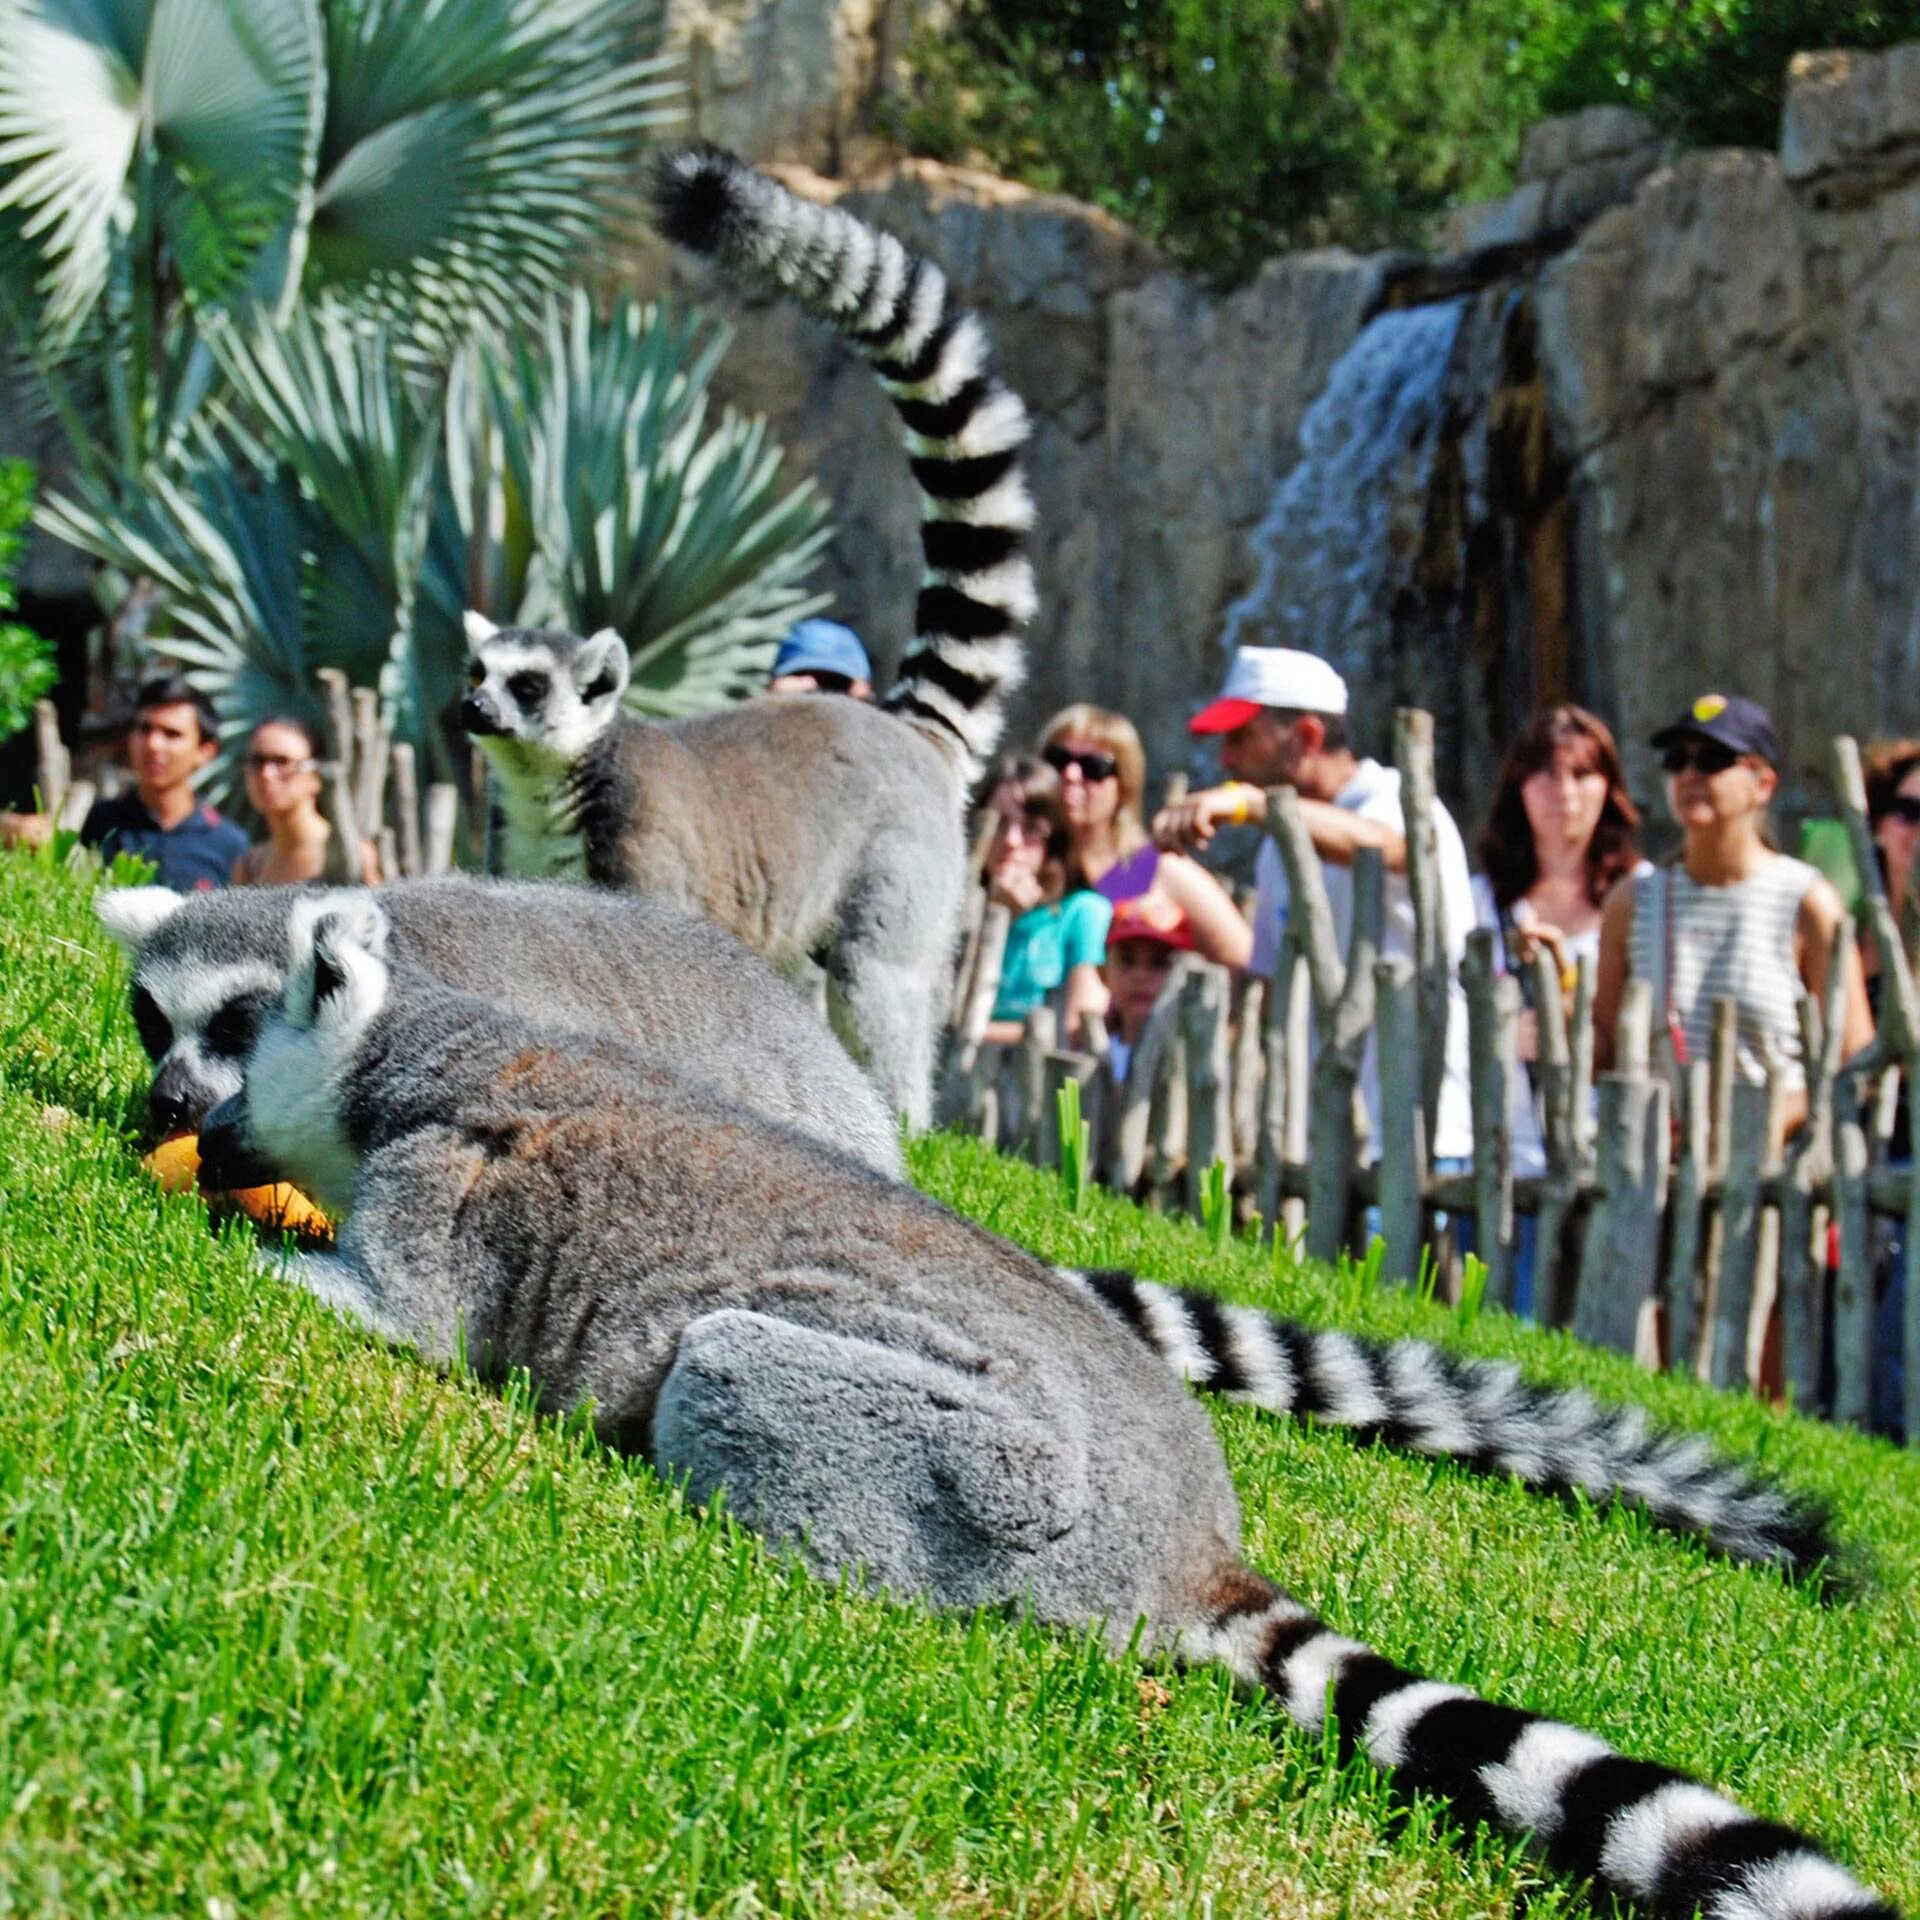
(130, 914)
(479, 628)
(330, 933)
(600, 665)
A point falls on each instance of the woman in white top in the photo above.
(1731, 917)
(1561, 831)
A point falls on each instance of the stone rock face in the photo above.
(791, 80)
(1731, 374)
(1162, 416)
(1571, 168)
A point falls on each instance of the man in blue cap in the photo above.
(822, 656)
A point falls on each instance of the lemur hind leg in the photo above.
(863, 1455)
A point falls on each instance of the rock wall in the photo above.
(1731, 373)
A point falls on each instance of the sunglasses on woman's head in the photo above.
(1698, 756)
(1093, 766)
(1904, 807)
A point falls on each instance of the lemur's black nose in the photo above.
(478, 714)
(175, 1101)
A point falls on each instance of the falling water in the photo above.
(1343, 533)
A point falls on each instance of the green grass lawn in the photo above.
(290, 1625)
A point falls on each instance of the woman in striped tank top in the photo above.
(1731, 918)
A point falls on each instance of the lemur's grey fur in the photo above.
(871, 1380)
(811, 827)
(206, 966)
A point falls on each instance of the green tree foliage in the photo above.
(1228, 130)
(26, 660)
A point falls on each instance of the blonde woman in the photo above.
(1103, 773)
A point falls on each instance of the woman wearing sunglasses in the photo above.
(1731, 917)
(282, 768)
(1103, 773)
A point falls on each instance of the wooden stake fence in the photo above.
(1670, 1215)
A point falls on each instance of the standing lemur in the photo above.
(207, 968)
(871, 1381)
(812, 828)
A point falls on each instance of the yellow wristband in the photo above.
(1251, 802)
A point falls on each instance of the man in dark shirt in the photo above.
(171, 739)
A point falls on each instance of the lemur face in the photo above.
(288, 1121)
(538, 696)
(198, 1003)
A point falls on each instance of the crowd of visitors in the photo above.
(1101, 903)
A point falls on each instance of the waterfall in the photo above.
(1344, 531)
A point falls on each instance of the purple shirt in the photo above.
(1128, 879)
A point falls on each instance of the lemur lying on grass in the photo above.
(871, 1380)
(207, 968)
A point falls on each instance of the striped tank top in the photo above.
(1734, 942)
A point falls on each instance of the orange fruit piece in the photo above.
(175, 1164)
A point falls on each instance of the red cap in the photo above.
(1149, 918)
(1223, 716)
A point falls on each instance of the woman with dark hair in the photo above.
(1561, 831)
(1058, 937)
(282, 769)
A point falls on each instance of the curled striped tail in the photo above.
(1480, 1412)
(964, 426)
(1642, 1830)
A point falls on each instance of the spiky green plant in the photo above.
(344, 504)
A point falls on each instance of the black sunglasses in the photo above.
(1698, 756)
(1093, 766)
(1904, 807)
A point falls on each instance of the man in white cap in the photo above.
(1282, 722)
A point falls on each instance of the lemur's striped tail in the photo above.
(1645, 1831)
(1481, 1412)
(964, 427)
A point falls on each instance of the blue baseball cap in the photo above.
(822, 646)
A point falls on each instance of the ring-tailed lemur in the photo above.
(811, 827)
(207, 966)
(872, 1381)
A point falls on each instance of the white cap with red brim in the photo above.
(1271, 677)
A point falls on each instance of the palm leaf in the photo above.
(474, 150)
(187, 125)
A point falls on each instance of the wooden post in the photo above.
(1245, 1077)
(984, 989)
(338, 802)
(1553, 1064)
(1203, 1031)
(1167, 1119)
(53, 770)
(1039, 1031)
(1402, 1143)
(369, 762)
(75, 804)
(406, 810)
(1910, 1329)
(1809, 1170)
(1853, 1287)
(386, 852)
(1433, 975)
(1620, 1265)
(1754, 1125)
(1133, 1106)
(1689, 1188)
(1332, 1146)
(1493, 1004)
(1580, 1066)
(1283, 1104)
(976, 917)
(442, 820)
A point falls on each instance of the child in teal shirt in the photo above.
(1057, 939)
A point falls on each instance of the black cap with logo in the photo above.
(1741, 726)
